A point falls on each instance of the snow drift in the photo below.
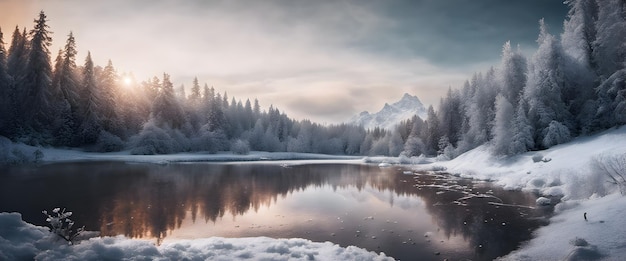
(23, 241)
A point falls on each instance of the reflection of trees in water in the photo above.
(142, 200)
(157, 202)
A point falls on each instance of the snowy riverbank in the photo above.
(566, 171)
(22, 241)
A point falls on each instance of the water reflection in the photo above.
(406, 216)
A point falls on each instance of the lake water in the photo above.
(407, 215)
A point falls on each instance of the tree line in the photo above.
(62, 104)
(572, 85)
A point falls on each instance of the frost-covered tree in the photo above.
(512, 73)
(503, 127)
(68, 80)
(194, 97)
(414, 145)
(165, 109)
(609, 47)
(579, 30)
(432, 132)
(512, 79)
(546, 85)
(90, 127)
(450, 114)
(109, 99)
(522, 133)
(611, 101)
(181, 94)
(555, 134)
(480, 110)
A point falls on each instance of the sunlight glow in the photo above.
(127, 81)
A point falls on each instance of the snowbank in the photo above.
(68, 155)
(565, 171)
(22, 241)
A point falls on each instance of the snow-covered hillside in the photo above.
(588, 222)
(391, 114)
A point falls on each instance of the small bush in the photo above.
(240, 147)
(537, 157)
(108, 142)
(61, 224)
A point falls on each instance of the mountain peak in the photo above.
(391, 114)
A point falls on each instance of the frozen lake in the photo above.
(407, 215)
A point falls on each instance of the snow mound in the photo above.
(22, 241)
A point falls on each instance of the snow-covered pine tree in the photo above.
(503, 127)
(18, 57)
(90, 126)
(34, 101)
(579, 30)
(522, 139)
(512, 73)
(545, 87)
(166, 110)
(68, 80)
(414, 145)
(433, 132)
(194, 97)
(450, 114)
(609, 47)
(6, 92)
(578, 63)
(109, 100)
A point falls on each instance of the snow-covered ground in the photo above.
(19, 153)
(22, 241)
(566, 171)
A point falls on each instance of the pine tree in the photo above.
(546, 85)
(522, 139)
(503, 126)
(18, 56)
(580, 31)
(90, 125)
(609, 47)
(35, 101)
(68, 80)
(194, 97)
(109, 99)
(166, 110)
(433, 132)
(513, 69)
(6, 92)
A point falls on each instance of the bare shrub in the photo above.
(61, 224)
(613, 167)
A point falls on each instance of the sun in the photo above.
(127, 81)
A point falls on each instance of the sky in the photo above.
(320, 60)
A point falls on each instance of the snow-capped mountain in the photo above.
(391, 114)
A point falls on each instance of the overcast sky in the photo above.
(322, 60)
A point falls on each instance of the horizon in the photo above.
(324, 61)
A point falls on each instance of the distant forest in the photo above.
(572, 85)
